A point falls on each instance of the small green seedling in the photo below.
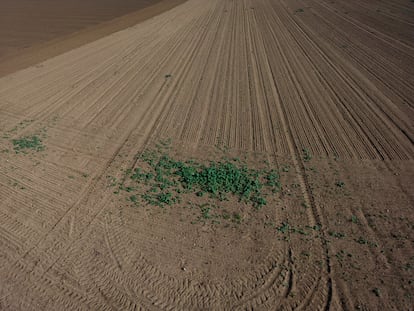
(340, 184)
(307, 156)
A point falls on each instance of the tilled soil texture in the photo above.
(33, 31)
(320, 91)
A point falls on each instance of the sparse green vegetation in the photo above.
(273, 180)
(237, 218)
(340, 184)
(354, 219)
(133, 198)
(285, 169)
(167, 178)
(338, 235)
(307, 156)
(159, 179)
(283, 228)
(376, 291)
(28, 142)
(363, 241)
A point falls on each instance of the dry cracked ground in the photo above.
(319, 90)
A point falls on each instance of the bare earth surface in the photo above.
(33, 31)
(321, 90)
(27, 22)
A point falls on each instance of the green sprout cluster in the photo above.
(165, 179)
(29, 142)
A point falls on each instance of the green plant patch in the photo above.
(340, 184)
(161, 180)
(307, 156)
(338, 235)
(28, 143)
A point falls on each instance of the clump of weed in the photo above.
(273, 180)
(307, 156)
(376, 291)
(284, 228)
(28, 143)
(161, 180)
(237, 218)
(363, 241)
(354, 219)
(340, 184)
(338, 235)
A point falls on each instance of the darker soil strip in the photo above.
(40, 52)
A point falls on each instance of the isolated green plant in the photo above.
(340, 184)
(376, 291)
(307, 156)
(338, 235)
(354, 219)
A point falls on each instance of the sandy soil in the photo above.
(26, 22)
(28, 38)
(321, 90)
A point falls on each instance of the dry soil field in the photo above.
(33, 31)
(320, 91)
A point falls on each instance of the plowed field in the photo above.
(319, 90)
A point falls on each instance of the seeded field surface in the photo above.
(221, 155)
